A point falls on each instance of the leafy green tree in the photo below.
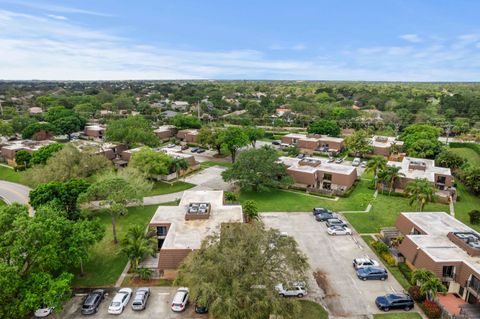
(185, 121)
(219, 277)
(151, 163)
(179, 164)
(471, 178)
(421, 140)
(450, 159)
(6, 129)
(55, 113)
(293, 150)
(68, 125)
(233, 139)
(68, 163)
(212, 137)
(130, 131)
(324, 127)
(358, 143)
(250, 210)
(258, 170)
(63, 195)
(421, 192)
(44, 153)
(254, 134)
(19, 123)
(36, 127)
(375, 165)
(22, 159)
(34, 268)
(137, 244)
(114, 191)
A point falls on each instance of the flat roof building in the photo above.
(94, 131)
(188, 136)
(317, 175)
(444, 245)
(165, 132)
(382, 145)
(181, 229)
(11, 148)
(314, 142)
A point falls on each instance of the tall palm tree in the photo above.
(428, 282)
(376, 164)
(137, 244)
(179, 164)
(389, 175)
(420, 191)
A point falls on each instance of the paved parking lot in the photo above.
(158, 306)
(330, 257)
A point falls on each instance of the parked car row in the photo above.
(335, 226)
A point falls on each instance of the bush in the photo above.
(406, 271)
(380, 247)
(231, 197)
(388, 258)
(415, 293)
(431, 309)
(144, 273)
(474, 216)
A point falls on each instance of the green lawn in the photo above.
(106, 263)
(393, 270)
(467, 153)
(207, 164)
(398, 315)
(466, 202)
(312, 310)
(8, 174)
(161, 188)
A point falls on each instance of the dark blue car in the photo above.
(394, 301)
(372, 273)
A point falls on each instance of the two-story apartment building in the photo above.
(383, 145)
(314, 142)
(10, 149)
(447, 247)
(315, 174)
(165, 132)
(181, 229)
(188, 136)
(94, 131)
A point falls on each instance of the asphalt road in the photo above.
(12, 192)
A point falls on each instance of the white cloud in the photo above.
(55, 8)
(295, 47)
(57, 17)
(40, 47)
(414, 38)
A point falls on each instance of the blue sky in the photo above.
(394, 40)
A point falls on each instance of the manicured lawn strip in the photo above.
(393, 270)
(384, 213)
(469, 154)
(161, 188)
(277, 200)
(8, 174)
(207, 164)
(312, 310)
(400, 315)
(466, 202)
(106, 263)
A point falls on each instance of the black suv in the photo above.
(323, 217)
(394, 301)
(320, 210)
(91, 303)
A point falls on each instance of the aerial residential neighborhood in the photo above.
(240, 160)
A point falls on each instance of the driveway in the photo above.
(330, 257)
(158, 306)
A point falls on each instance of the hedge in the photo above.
(473, 146)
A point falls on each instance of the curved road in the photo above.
(13, 192)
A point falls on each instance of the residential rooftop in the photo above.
(26, 144)
(188, 234)
(303, 165)
(420, 168)
(385, 141)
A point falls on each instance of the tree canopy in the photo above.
(234, 138)
(41, 155)
(130, 131)
(235, 270)
(421, 140)
(324, 127)
(185, 121)
(358, 143)
(258, 170)
(150, 162)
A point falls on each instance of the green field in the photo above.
(106, 263)
(207, 164)
(398, 315)
(161, 188)
(312, 310)
(466, 202)
(469, 154)
(8, 174)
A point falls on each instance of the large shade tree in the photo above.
(130, 131)
(235, 270)
(233, 139)
(150, 162)
(258, 170)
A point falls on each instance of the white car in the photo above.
(170, 145)
(364, 262)
(43, 312)
(356, 161)
(180, 299)
(339, 230)
(120, 301)
(363, 164)
(291, 291)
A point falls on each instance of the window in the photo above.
(474, 283)
(327, 177)
(448, 271)
(161, 230)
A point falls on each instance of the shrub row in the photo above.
(406, 271)
(431, 309)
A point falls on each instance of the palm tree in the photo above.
(250, 210)
(376, 164)
(429, 284)
(389, 175)
(179, 164)
(137, 244)
(420, 191)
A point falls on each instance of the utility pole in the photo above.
(198, 109)
(448, 128)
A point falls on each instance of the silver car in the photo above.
(140, 299)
